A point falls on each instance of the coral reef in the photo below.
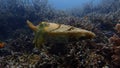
(19, 50)
(76, 54)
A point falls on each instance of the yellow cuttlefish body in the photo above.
(52, 29)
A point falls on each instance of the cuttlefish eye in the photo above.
(43, 24)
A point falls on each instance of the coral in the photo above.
(46, 29)
(115, 40)
(22, 42)
(117, 27)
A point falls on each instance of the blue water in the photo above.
(68, 4)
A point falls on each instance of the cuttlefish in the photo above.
(46, 29)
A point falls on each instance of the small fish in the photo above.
(2, 44)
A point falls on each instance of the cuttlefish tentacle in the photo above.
(31, 26)
(39, 33)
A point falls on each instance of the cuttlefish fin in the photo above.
(31, 26)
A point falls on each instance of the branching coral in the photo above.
(117, 27)
(115, 40)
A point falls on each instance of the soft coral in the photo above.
(115, 40)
